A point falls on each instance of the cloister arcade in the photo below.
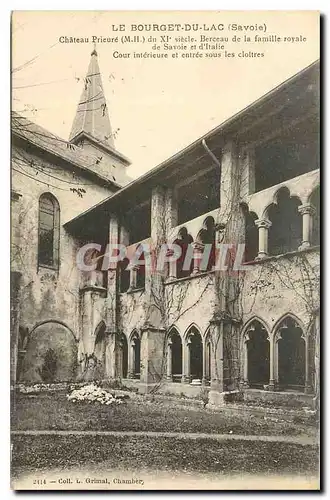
(277, 358)
(274, 359)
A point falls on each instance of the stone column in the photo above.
(169, 360)
(308, 385)
(198, 249)
(216, 382)
(133, 278)
(171, 209)
(131, 360)
(276, 339)
(271, 364)
(204, 375)
(307, 211)
(186, 362)
(171, 266)
(110, 356)
(263, 226)
(153, 358)
(245, 381)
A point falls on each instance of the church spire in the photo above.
(92, 117)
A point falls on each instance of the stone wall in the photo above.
(48, 294)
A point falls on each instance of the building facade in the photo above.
(251, 183)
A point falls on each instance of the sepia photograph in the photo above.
(165, 246)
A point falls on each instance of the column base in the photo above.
(261, 256)
(219, 399)
(244, 384)
(304, 245)
(308, 389)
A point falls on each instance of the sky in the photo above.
(157, 106)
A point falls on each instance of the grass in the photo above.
(151, 453)
(52, 411)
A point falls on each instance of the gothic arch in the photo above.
(291, 352)
(288, 315)
(250, 321)
(173, 328)
(134, 355)
(194, 352)
(190, 327)
(134, 334)
(207, 340)
(174, 355)
(255, 353)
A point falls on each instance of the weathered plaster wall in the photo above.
(190, 302)
(286, 284)
(132, 312)
(48, 294)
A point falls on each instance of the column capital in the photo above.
(198, 246)
(307, 208)
(265, 223)
(169, 252)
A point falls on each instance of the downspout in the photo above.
(209, 152)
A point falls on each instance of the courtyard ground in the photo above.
(160, 435)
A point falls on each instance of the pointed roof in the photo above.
(92, 117)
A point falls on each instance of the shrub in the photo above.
(49, 367)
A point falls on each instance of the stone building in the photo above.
(253, 181)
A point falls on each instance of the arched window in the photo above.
(49, 231)
(285, 233)
(184, 240)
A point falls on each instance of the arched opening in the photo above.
(315, 201)
(175, 345)
(124, 275)
(135, 356)
(207, 237)
(195, 346)
(251, 234)
(99, 351)
(285, 233)
(49, 231)
(183, 241)
(291, 355)
(51, 353)
(257, 345)
(123, 356)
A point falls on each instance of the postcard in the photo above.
(165, 241)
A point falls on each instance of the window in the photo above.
(49, 231)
